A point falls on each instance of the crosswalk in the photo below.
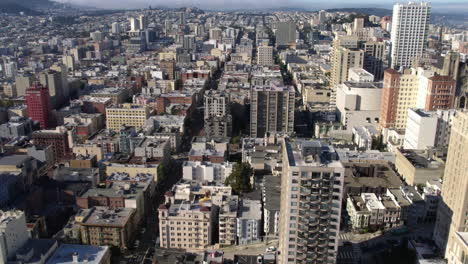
(345, 237)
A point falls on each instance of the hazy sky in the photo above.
(438, 5)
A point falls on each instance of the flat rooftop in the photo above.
(103, 216)
(86, 254)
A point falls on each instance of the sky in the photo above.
(438, 5)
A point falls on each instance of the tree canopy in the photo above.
(239, 179)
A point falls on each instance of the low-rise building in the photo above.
(249, 220)
(102, 226)
(418, 166)
(13, 233)
(206, 171)
(228, 221)
(126, 115)
(271, 193)
(72, 253)
(154, 148)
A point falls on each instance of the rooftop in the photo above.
(86, 254)
(103, 216)
(313, 153)
(250, 209)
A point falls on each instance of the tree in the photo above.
(162, 172)
(239, 179)
(178, 84)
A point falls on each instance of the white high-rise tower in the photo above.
(410, 24)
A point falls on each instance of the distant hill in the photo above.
(14, 8)
(367, 11)
(29, 7)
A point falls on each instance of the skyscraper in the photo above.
(116, 28)
(410, 24)
(134, 24)
(285, 33)
(143, 22)
(37, 100)
(272, 110)
(311, 193)
(182, 19)
(452, 214)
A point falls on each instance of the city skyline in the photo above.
(456, 6)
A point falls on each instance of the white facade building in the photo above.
(13, 233)
(249, 222)
(206, 171)
(421, 128)
(410, 24)
(358, 103)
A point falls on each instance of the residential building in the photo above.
(311, 194)
(271, 110)
(126, 114)
(59, 139)
(203, 171)
(453, 209)
(186, 224)
(265, 55)
(103, 226)
(410, 26)
(249, 222)
(271, 194)
(228, 221)
(37, 100)
(13, 233)
(431, 195)
(17, 127)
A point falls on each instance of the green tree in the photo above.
(162, 172)
(239, 179)
(178, 84)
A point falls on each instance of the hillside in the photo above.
(367, 11)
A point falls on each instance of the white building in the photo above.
(13, 233)
(444, 127)
(359, 75)
(116, 28)
(206, 171)
(421, 128)
(358, 103)
(410, 24)
(249, 222)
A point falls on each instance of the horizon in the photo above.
(454, 7)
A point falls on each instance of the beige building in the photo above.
(452, 216)
(311, 194)
(128, 115)
(228, 221)
(346, 55)
(185, 224)
(102, 226)
(458, 253)
(418, 166)
(88, 150)
(265, 55)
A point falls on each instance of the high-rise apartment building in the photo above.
(37, 100)
(413, 88)
(271, 110)
(218, 120)
(134, 24)
(182, 18)
(53, 81)
(410, 24)
(346, 55)
(285, 33)
(311, 193)
(265, 55)
(373, 58)
(23, 82)
(452, 215)
(116, 28)
(126, 114)
(216, 33)
(143, 22)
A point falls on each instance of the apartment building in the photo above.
(126, 115)
(102, 226)
(311, 194)
(452, 216)
(272, 109)
(410, 27)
